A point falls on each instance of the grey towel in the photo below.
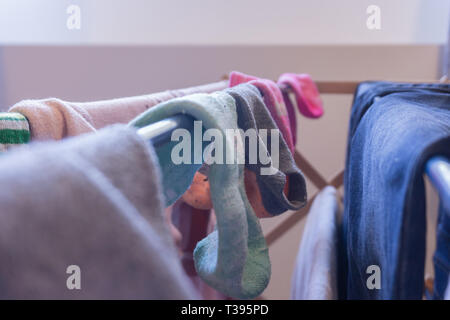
(93, 201)
(253, 114)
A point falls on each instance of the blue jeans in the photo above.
(394, 129)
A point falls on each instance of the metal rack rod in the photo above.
(159, 133)
(438, 171)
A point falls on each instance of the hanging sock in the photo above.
(306, 93)
(14, 130)
(274, 102)
(237, 78)
(194, 225)
(269, 195)
(284, 190)
(306, 96)
(291, 115)
(273, 98)
(234, 258)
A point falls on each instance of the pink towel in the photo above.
(273, 99)
(55, 119)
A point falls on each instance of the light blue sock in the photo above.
(233, 259)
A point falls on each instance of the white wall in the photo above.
(219, 22)
(94, 73)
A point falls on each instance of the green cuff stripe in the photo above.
(12, 118)
(14, 136)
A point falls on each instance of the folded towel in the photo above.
(234, 258)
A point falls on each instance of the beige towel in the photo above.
(54, 119)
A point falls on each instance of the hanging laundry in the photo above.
(194, 224)
(394, 129)
(199, 194)
(234, 258)
(269, 195)
(54, 119)
(273, 98)
(253, 114)
(106, 222)
(315, 273)
(14, 130)
(306, 95)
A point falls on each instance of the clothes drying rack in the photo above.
(436, 168)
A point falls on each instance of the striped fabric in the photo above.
(14, 130)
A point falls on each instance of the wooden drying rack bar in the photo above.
(341, 87)
(349, 87)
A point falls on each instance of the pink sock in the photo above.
(306, 93)
(273, 99)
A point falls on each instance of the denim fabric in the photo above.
(394, 129)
